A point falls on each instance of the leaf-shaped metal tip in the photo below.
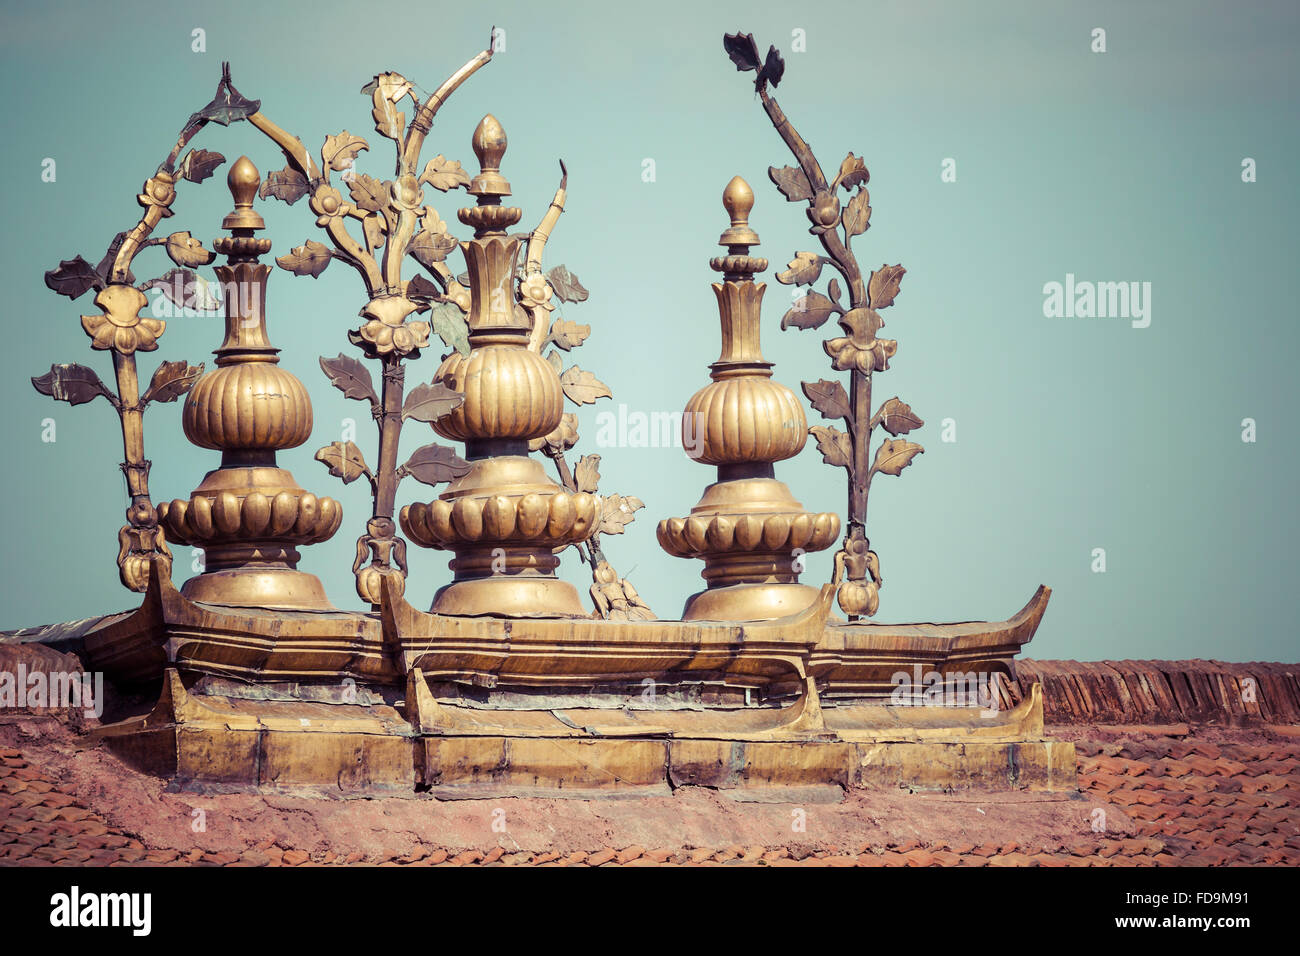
(344, 460)
(434, 464)
(170, 381)
(228, 104)
(350, 377)
(73, 277)
(74, 384)
(743, 50)
(773, 67)
(564, 175)
(428, 403)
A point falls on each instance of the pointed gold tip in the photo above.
(738, 200)
(243, 180)
(489, 142)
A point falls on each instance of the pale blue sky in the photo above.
(1072, 434)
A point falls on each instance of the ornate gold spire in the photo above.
(749, 530)
(504, 518)
(249, 515)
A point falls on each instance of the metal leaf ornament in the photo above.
(122, 330)
(836, 218)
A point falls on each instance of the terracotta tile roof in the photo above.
(1153, 692)
(1185, 801)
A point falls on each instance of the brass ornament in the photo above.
(249, 516)
(504, 519)
(510, 684)
(395, 224)
(121, 329)
(860, 352)
(748, 528)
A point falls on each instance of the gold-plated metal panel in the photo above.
(204, 740)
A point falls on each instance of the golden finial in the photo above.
(738, 265)
(248, 408)
(489, 217)
(243, 181)
(738, 200)
(489, 143)
(747, 525)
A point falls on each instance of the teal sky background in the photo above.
(1072, 434)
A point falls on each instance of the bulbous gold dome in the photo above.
(745, 420)
(510, 392)
(255, 405)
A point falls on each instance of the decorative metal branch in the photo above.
(392, 217)
(614, 597)
(121, 329)
(859, 352)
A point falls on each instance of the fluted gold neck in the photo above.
(739, 309)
